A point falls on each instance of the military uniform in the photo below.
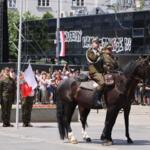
(27, 97)
(27, 103)
(109, 62)
(99, 61)
(7, 96)
(95, 67)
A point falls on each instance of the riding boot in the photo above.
(97, 100)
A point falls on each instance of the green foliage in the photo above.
(47, 15)
(37, 34)
(142, 4)
(13, 20)
(13, 23)
(27, 16)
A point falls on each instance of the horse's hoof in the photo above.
(102, 138)
(88, 140)
(129, 141)
(74, 141)
(107, 142)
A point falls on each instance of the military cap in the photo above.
(96, 40)
(109, 46)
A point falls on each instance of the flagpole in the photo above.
(58, 28)
(18, 67)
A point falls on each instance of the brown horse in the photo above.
(70, 94)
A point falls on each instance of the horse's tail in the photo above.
(61, 119)
(65, 107)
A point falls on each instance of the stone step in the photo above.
(40, 113)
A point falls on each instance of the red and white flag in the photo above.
(62, 44)
(30, 77)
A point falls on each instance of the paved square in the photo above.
(44, 136)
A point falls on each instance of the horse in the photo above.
(120, 96)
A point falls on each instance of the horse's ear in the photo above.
(148, 58)
(141, 57)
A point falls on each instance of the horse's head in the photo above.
(139, 69)
(142, 70)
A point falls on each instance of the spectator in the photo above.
(43, 87)
(50, 90)
(37, 90)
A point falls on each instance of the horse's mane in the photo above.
(130, 67)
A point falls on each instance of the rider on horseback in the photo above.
(100, 61)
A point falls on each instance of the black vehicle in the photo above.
(128, 32)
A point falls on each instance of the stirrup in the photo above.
(97, 105)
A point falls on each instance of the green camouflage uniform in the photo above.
(7, 96)
(27, 103)
(109, 62)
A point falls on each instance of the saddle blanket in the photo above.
(90, 85)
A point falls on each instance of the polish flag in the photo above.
(29, 77)
(25, 89)
(62, 42)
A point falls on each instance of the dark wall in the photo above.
(128, 32)
(4, 51)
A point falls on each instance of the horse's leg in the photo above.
(126, 118)
(111, 115)
(64, 115)
(83, 118)
(69, 113)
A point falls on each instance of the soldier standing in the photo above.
(27, 97)
(7, 96)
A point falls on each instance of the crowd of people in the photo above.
(44, 93)
(48, 81)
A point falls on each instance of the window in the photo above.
(82, 2)
(137, 32)
(71, 13)
(11, 3)
(43, 3)
(78, 2)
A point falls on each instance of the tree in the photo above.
(47, 15)
(27, 16)
(139, 4)
(13, 20)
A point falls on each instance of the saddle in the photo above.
(91, 84)
(109, 80)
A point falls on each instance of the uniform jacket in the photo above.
(98, 60)
(7, 88)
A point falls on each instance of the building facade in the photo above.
(4, 52)
(129, 34)
(74, 7)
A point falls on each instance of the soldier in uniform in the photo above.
(27, 97)
(110, 62)
(7, 96)
(99, 59)
(95, 67)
